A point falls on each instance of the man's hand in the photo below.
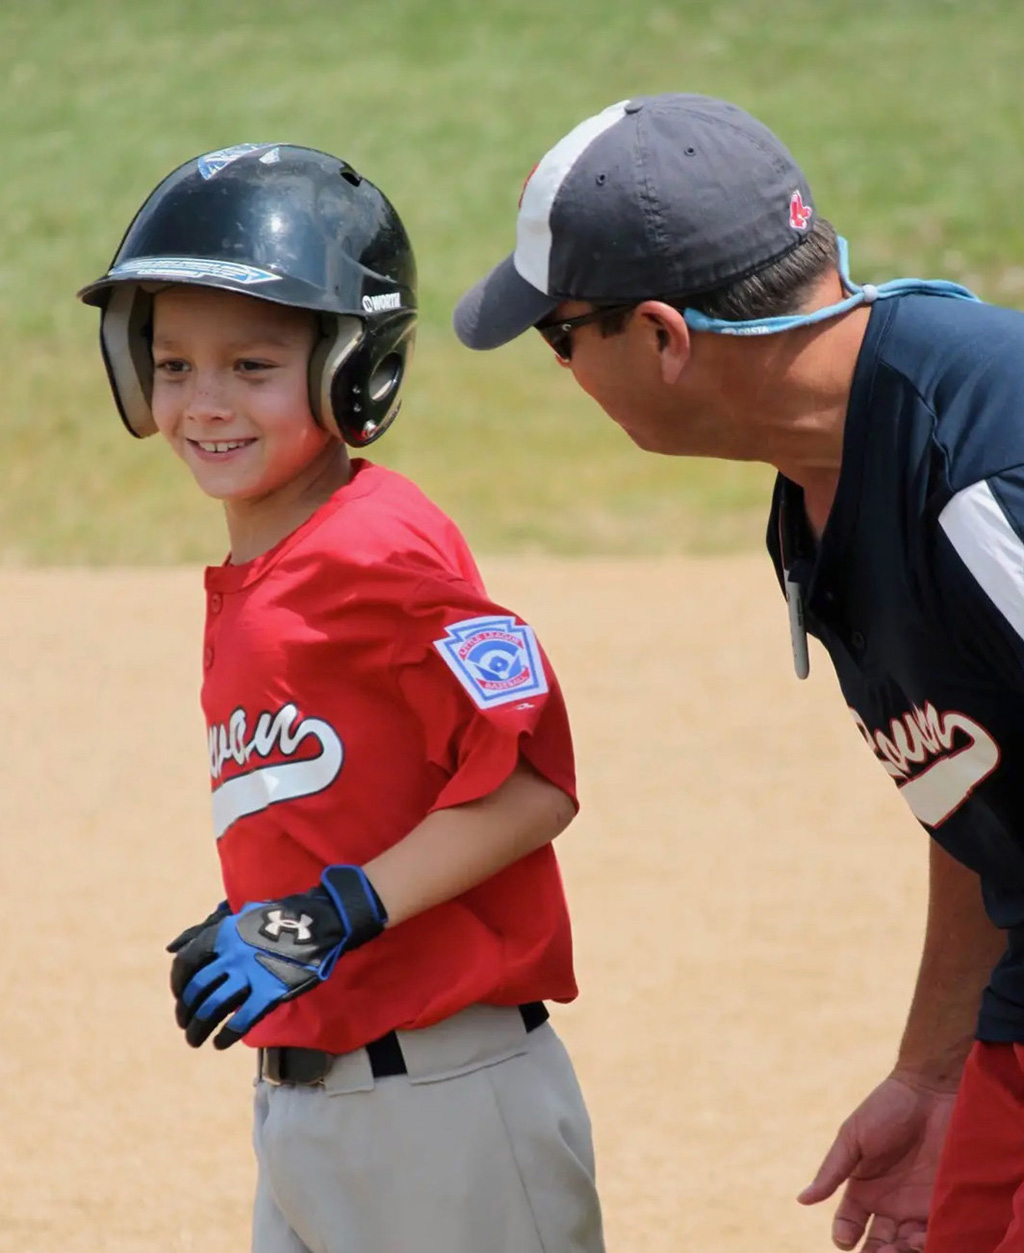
(887, 1153)
(246, 964)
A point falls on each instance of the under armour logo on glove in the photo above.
(275, 922)
(241, 966)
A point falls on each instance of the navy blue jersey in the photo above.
(916, 588)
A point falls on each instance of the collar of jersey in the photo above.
(229, 577)
(866, 295)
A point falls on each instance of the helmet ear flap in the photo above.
(339, 338)
(125, 341)
(357, 377)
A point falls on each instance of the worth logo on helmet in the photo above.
(377, 304)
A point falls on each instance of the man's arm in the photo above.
(961, 945)
(887, 1151)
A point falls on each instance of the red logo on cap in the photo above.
(799, 213)
(523, 192)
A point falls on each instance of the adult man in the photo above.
(669, 251)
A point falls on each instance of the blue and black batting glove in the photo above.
(213, 920)
(241, 966)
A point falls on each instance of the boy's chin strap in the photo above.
(865, 295)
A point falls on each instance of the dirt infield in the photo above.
(754, 987)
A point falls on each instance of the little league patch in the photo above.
(496, 659)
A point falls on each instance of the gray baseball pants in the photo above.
(483, 1147)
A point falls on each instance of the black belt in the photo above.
(309, 1066)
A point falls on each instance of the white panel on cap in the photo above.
(533, 226)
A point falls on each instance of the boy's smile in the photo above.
(219, 448)
(231, 397)
(231, 390)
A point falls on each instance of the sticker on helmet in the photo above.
(377, 304)
(496, 659)
(192, 267)
(213, 162)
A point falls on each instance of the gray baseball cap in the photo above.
(668, 196)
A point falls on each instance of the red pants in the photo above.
(978, 1205)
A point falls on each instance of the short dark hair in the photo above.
(775, 290)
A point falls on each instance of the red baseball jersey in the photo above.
(358, 677)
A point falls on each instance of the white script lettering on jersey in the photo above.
(262, 785)
(936, 760)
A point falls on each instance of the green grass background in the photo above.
(906, 115)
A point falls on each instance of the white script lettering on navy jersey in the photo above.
(935, 759)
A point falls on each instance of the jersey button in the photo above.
(216, 602)
(858, 641)
(207, 657)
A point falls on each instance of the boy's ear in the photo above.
(671, 337)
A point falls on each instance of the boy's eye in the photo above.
(172, 365)
(249, 366)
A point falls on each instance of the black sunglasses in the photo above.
(558, 335)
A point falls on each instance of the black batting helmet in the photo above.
(291, 225)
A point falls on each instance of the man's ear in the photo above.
(671, 335)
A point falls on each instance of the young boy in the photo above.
(389, 752)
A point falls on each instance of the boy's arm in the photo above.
(241, 966)
(452, 850)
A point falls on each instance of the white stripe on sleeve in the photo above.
(533, 227)
(989, 547)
